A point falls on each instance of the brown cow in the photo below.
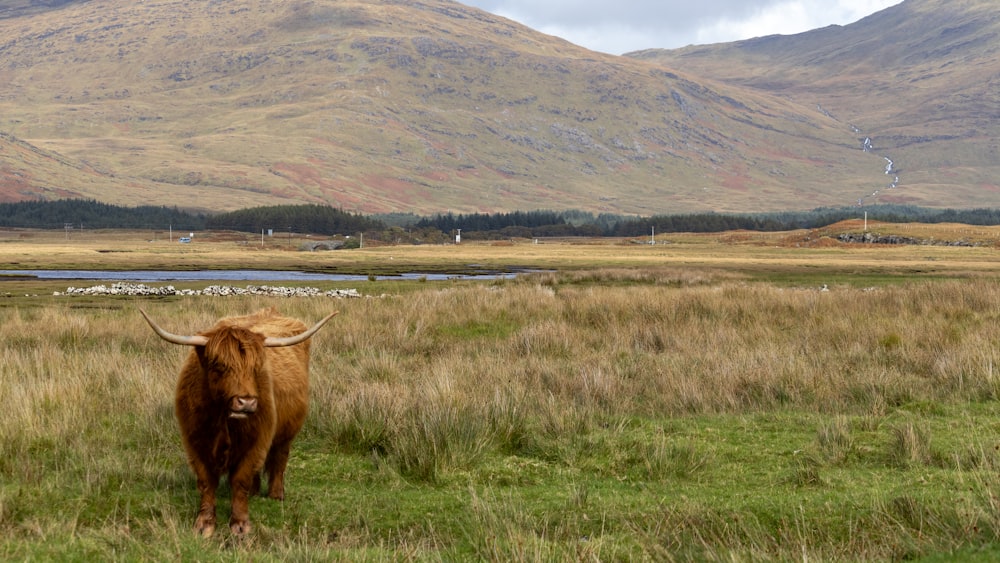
(242, 396)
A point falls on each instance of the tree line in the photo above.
(326, 220)
(578, 223)
(318, 219)
(91, 214)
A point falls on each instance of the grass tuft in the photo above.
(835, 440)
(910, 445)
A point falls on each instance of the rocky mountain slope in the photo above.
(919, 82)
(411, 105)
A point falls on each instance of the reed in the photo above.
(584, 417)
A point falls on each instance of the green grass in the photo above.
(547, 418)
(750, 486)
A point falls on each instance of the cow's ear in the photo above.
(202, 359)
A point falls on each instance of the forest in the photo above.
(90, 214)
(330, 221)
(317, 219)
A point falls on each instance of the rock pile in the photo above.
(138, 289)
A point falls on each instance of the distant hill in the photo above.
(921, 80)
(431, 106)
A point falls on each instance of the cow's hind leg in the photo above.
(277, 461)
(255, 488)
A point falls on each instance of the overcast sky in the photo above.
(620, 26)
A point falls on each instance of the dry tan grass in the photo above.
(560, 355)
(764, 254)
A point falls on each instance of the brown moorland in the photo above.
(403, 106)
(918, 79)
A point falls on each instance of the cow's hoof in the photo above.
(239, 528)
(204, 526)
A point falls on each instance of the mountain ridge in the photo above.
(420, 106)
(920, 80)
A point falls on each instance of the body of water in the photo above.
(230, 275)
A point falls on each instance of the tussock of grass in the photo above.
(910, 445)
(835, 439)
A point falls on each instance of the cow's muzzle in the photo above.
(242, 407)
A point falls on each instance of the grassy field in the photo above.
(749, 255)
(701, 399)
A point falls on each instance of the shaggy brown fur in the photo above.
(218, 386)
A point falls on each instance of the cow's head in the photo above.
(232, 358)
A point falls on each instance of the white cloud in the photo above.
(790, 17)
(629, 25)
(615, 38)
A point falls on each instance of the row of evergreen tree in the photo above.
(317, 219)
(325, 220)
(577, 223)
(90, 214)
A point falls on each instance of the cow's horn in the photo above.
(196, 340)
(293, 340)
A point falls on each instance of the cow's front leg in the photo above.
(204, 524)
(239, 522)
(241, 482)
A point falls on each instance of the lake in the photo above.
(232, 275)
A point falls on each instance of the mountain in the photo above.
(402, 105)
(920, 80)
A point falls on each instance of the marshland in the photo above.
(728, 397)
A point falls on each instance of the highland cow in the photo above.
(242, 396)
